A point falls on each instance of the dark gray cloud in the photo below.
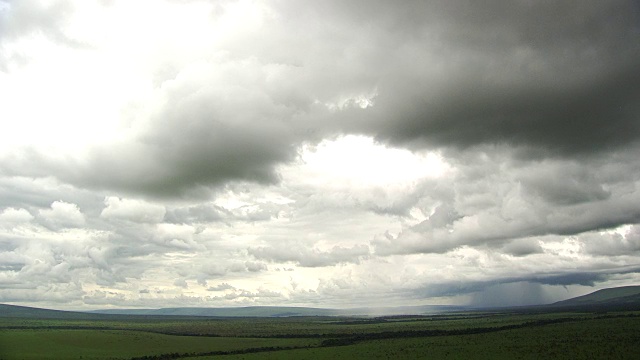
(558, 78)
(548, 79)
(589, 278)
(208, 126)
(565, 185)
(522, 247)
(197, 142)
(565, 122)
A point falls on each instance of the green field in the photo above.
(109, 344)
(464, 335)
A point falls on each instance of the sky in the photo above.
(317, 153)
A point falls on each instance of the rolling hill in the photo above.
(282, 311)
(625, 296)
(15, 311)
(250, 311)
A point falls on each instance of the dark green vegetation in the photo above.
(557, 332)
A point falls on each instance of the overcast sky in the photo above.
(317, 153)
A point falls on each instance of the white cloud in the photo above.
(221, 287)
(13, 217)
(132, 210)
(623, 242)
(63, 215)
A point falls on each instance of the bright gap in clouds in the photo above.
(348, 167)
(358, 161)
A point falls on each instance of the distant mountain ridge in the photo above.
(282, 311)
(16, 311)
(619, 298)
(624, 296)
(249, 311)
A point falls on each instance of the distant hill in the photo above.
(15, 311)
(281, 311)
(619, 297)
(250, 311)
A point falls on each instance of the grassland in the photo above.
(568, 335)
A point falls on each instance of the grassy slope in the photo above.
(38, 313)
(604, 296)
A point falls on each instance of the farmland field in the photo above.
(570, 335)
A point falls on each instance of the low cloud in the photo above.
(220, 287)
(522, 247)
(132, 210)
(14, 217)
(62, 215)
(495, 205)
(306, 257)
(525, 290)
(612, 243)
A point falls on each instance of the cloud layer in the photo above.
(325, 153)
